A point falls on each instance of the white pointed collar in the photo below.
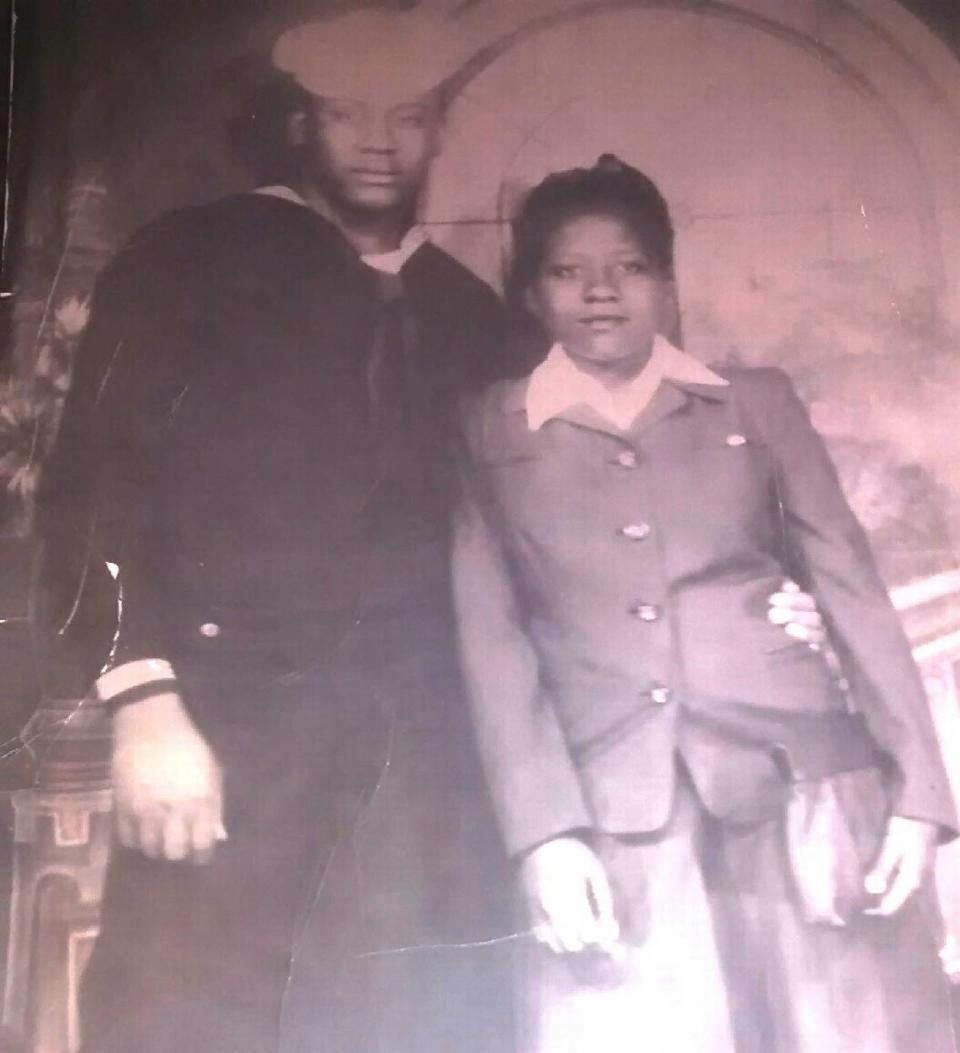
(557, 385)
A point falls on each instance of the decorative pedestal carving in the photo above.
(61, 843)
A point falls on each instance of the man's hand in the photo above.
(569, 896)
(904, 864)
(797, 612)
(166, 782)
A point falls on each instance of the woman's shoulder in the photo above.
(750, 379)
(763, 387)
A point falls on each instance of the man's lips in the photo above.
(370, 175)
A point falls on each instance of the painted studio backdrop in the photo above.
(809, 153)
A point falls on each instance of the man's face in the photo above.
(375, 156)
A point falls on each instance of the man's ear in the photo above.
(297, 128)
(439, 136)
(438, 117)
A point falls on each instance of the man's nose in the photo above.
(378, 137)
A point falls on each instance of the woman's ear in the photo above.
(668, 311)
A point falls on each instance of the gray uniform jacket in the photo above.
(612, 593)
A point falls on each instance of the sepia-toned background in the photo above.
(810, 153)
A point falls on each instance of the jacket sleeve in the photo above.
(836, 565)
(97, 488)
(532, 780)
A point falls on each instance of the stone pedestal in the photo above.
(61, 842)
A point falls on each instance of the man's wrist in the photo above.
(136, 682)
(159, 712)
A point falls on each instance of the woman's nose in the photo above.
(600, 286)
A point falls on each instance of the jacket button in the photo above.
(626, 459)
(660, 695)
(646, 612)
(210, 629)
(636, 531)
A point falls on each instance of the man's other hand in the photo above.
(166, 782)
(797, 612)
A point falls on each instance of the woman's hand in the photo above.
(569, 896)
(904, 864)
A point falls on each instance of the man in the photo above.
(256, 437)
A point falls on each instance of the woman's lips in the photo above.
(602, 323)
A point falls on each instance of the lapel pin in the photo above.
(736, 439)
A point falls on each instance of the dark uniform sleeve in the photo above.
(491, 357)
(97, 487)
(836, 565)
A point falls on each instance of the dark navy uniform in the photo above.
(257, 435)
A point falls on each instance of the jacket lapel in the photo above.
(673, 396)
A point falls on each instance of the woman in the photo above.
(656, 752)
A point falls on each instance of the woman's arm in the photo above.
(837, 566)
(531, 777)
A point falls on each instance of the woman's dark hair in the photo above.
(609, 188)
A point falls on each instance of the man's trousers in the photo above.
(279, 941)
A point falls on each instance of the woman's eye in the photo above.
(564, 271)
(634, 267)
(411, 121)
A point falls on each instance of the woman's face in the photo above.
(599, 295)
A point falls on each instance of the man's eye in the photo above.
(634, 267)
(562, 270)
(411, 120)
(338, 115)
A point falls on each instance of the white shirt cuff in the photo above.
(140, 673)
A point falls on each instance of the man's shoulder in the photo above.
(171, 240)
(233, 225)
(435, 268)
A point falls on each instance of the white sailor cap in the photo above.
(371, 55)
